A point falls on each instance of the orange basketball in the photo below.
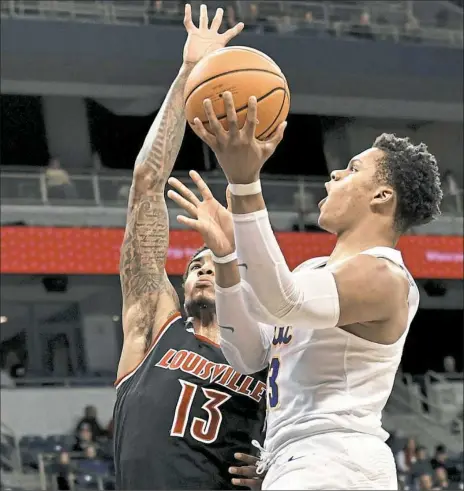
(244, 72)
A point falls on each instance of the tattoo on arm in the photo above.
(145, 247)
(146, 239)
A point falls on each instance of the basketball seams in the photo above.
(276, 118)
(219, 75)
(254, 51)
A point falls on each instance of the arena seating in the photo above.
(433, 22)
(39, 454)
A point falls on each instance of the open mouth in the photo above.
(322, 202)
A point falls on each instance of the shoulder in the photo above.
(374, 279)
(372, 268)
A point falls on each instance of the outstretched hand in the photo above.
(203, 40)
(208, 216)
(239, 153)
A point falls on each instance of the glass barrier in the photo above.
(98, 190)
(113, 191)
(22, 189)
(299, 194)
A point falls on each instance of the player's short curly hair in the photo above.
(413, 173)
(198, 251)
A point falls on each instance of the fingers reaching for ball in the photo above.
(215, 126)
(183, 197)
(251, 122)
(231, 114)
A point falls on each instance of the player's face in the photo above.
(350, 193)
(199, 284)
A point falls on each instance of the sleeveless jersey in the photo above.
(182, 413)
(329, 379)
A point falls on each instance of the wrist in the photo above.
(244, 180)
(250, 189)
(224, 256)
(186, 67)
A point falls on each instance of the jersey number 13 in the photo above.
(203, 430)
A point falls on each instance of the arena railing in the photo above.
(112, 190)
(74, 382)
(48, 480)
(334, 17)
(299, 194)
(428, 415)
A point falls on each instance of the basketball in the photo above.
(244, 72)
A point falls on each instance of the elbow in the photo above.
(236, 361)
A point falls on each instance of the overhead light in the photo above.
(3, 319)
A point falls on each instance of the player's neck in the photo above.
(352, 242)
(207, 328)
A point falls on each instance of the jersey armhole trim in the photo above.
(119, 381)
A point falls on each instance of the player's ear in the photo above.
(383, 195)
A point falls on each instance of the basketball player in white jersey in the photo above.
(341, 321)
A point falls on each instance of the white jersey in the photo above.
(329, 379)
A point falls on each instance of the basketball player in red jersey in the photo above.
(181, 410)
(341, 321)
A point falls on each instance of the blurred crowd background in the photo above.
(81, 82)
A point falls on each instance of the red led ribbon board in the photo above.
(50, 250)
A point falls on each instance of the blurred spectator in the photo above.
(254, 21)
(362, 29)
(407, 457)
(449, 469)
(441, 478)
(286, 25)
(306, 26)
(59, 184)
(123, 193)
(64, 471)
(449, 364)
(425, 482)
(84, 438)
(422, 464)
(91, 464)
(452, 201)
(440, 458)
(411, 29)
(164, 12)
(90, 421)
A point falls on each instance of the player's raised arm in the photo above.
(148, 296)
(244, 341)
